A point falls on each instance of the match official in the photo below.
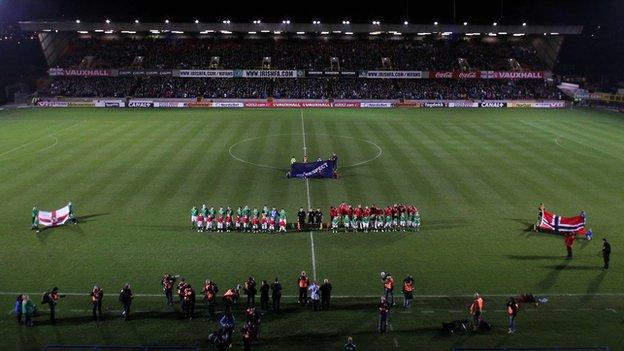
(606, 253)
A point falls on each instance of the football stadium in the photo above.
(408, 176)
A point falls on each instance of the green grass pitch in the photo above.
(477, 176)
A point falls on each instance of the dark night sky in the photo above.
(417, 11)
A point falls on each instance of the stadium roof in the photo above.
(298, 28)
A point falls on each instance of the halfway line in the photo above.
(305, 153)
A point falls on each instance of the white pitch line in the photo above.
(305, 153)
(35, 140)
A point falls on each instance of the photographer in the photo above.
(97, 294)
(51, 298)
(167, 283)
(231, 297)
(250, 291)
(125, 297)
(210, 296)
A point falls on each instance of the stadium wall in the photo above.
(292, 103)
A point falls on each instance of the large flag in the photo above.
(54, 218)
(318, 169)
(552, 222)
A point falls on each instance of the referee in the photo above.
(606, 253)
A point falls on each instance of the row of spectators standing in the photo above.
(302, 88)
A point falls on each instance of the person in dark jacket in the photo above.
(301, 217)
(51, 298)
(606, 253)
(311, 218)
(318, 219)
(125, 297)
(251, 291)
(276, 294)
(326, 289)
(264, 295)
(18, 308)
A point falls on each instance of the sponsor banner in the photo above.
(55, 72)
(204, 73)
(331, 74)
(434, 104)
(255, 73)
(81, 104)
(493, 104)
(392, 74)
(550, 104)
(512, 74)
(375, 104)
(228, 104)
(44, 103)
(109, 103)
(347, 104)
(141, 103)
(520, 104)
(454, 75)
(413, 104)
(285, 104)
(302, 104)
(143, 72)
(170, 104)
(319, 169)
(254, 104)
(468, 104)
(199, 104)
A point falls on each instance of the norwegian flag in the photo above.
(558, 224)
(54, 218)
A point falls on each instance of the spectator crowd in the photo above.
(313, 54)
(302, 88)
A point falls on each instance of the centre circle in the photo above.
(375, 155)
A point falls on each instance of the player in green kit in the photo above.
(72, 215)
(403, 220)
(388, 224)
(365, 223)
(416, 221)
(282, 214)
(35, 216)
(36, 224)
(194, 213)
(335, 223)
(346, 222)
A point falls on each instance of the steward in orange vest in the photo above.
(408, 291)
(303, 283)
(388, 283)
(476, 309)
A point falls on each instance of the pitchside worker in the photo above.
(125, 297)
(276, 294)
(606, 253)
(51, 298)
(303, 283)
(97, 294)
(167, 284)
